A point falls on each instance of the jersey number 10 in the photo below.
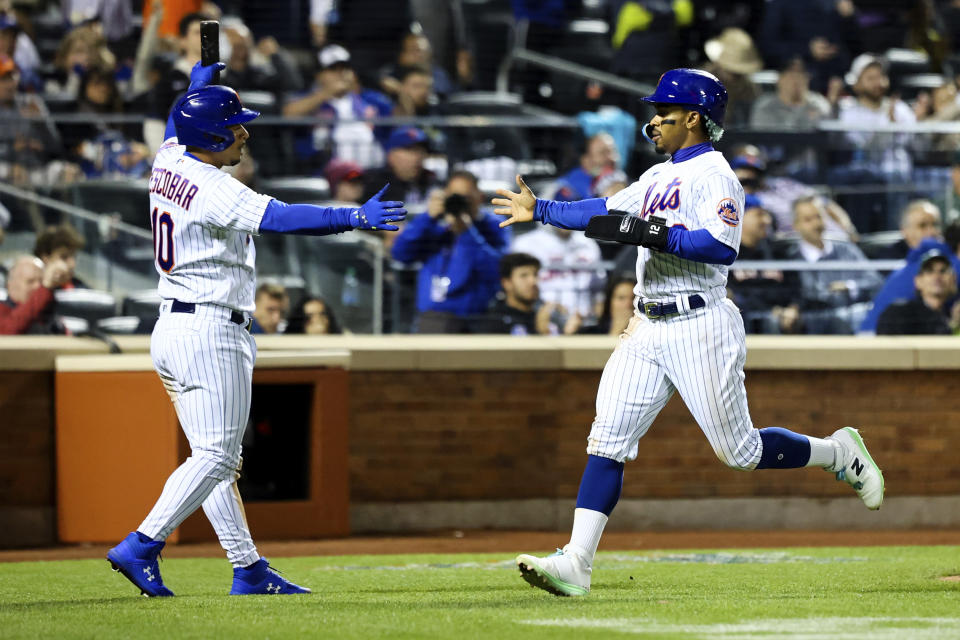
(162, 226)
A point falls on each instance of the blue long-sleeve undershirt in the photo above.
(698, 245)
(305, 219)
(569, 215)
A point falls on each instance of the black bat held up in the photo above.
(210, 45)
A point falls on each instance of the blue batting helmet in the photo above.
(202, 117)
(701, 91)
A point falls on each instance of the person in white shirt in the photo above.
(877, 156)
(563, 254)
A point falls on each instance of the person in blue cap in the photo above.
(408, 179)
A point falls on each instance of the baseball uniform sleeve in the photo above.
(232, 205)
(719, 207)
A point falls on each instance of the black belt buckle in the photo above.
(654, 310)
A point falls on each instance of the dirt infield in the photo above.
(513, 542)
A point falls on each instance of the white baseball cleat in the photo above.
(857, 468)
(564, 573)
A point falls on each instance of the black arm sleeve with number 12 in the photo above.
(621, 227)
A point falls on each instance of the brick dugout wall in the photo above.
(463, 432)
(469, 435)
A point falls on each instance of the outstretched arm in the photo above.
(524, 207)
(312, 220)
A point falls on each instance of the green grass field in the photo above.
(839, 593)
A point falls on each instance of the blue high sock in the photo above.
(600, 485)
(783, 449)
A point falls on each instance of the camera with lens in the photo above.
(456, 204)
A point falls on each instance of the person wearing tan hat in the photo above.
(733, 57)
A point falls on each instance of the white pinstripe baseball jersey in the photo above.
(202, 221)
(699, 193)
(699, 353)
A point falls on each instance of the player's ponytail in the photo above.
(714, 131)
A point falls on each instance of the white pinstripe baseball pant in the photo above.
(205, 362)
(700, 354)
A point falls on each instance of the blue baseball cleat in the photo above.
(259, 578)
(136, 558)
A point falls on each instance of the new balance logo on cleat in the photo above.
(858, 468)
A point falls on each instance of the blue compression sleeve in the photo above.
(600, 485)
(569, 215)
(783, 449)
(698, 246)
(305, 219)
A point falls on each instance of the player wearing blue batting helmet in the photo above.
(203, 117)
(696, 90)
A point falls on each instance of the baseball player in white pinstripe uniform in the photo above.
(684, 215)
(203, 221)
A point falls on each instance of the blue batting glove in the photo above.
(201, 76)
(375, 214)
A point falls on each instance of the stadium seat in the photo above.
(874, 244)
(484, 103)
(911, 85)
(87, 304)
(75, 326)
(60, 102)
(296, 189)
(119, 324)
(262, 101)
(129, 198)
(765, 80)
(471, 143)
(903, 62)
(144, 305)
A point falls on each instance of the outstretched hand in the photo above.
(519, 206)
(201, 76)
(375, 214)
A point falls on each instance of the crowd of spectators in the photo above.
(342, 73)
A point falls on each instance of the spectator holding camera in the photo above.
(459, 245)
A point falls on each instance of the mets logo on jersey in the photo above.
(728, 212)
